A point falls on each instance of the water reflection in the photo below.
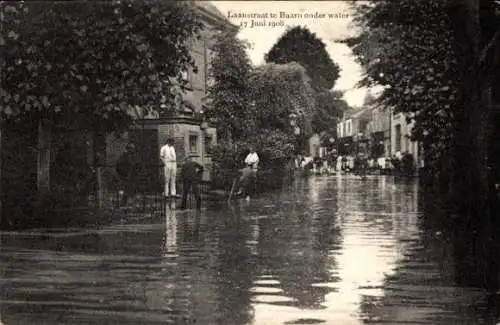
(171, 230)
(333, 250)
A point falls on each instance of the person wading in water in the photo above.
(248, 174)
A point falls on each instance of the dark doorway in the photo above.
(147, 149)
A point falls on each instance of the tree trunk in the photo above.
(471, 170)
(470, 165)
(1, 174)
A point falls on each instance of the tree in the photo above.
(428, 57)
(87, 62)
(329, 109)
(279, 90)
(80, 65)
(274, 92)
(298, 44)
(228, 96)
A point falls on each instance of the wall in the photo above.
(406, 144)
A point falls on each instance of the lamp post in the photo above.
(360, 136)
(203, 128)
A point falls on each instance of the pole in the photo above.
(202, 153)
(390, 131)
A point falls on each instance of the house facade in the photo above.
(379, 130)
(186, 125)
(352, 132)
(400, 136)
(376, 132)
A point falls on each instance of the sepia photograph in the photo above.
(250, 162)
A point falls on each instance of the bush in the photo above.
(274, 148)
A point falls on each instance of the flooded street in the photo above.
(327, 250)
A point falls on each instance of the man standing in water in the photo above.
(191, 175)
(168, 156)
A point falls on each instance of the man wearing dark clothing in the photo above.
(125, 167)
(191, 175)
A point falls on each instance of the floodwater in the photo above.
(326, 250)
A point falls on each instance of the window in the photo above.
(398, 137)
(193, 143)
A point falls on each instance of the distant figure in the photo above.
(338, 164)
(168, 156)
(396, 163)
(325, 167)
(191, 172)
(125, 168)
(408, 163)
(298, 161)
(345, 160)
(316, 164)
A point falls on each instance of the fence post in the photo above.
(100, 188)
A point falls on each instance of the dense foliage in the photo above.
(298, 44)
(253, 107)
(434, 60)
(87, 62)
(274, 148)
(228, 95)
(274, 92)
(328, 110)
(407, 47)
(278, 90)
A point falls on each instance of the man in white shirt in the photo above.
(168, 156)
(252, 159)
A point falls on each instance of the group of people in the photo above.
(399, 164)
(191, 174)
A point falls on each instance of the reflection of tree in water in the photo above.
(475, 241)
(422, 290)
(425, 286)
(294, 248)
(234, 271)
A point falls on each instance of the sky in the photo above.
(329, 30)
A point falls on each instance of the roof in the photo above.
(211, 12)
(209, 7)
(357, 113)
